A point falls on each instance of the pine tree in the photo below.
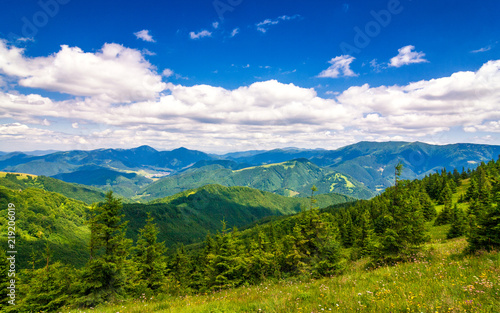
(104, 275)
(457, 178)
(226, 266)
(428, 208)
(366, 241)
(446, 195)
(47, 289)
(472, 191)
(458, 223)
(260, 260)
(149, 258)
(444, 217)
(405, 230)
(486, 232)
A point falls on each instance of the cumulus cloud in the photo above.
(270, 114)
(407, 56)
(113, 74)
(144, 35)
(167, 72)
(339, 66)
(265, 24)
(200, 34)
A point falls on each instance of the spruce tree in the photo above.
(486, 232)
(149, 257)
(444, 217)
(366, 241)
(181, 269)
(458, 223)
(104, 275)
(48, 289)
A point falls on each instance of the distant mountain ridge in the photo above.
(370, 163)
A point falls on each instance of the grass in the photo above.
(441, 279)
(20, 175)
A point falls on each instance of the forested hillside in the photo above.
(46, 221)
(290, 178)
(186, 217)
(399, 226)
(78, 192)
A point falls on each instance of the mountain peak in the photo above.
(145, 148)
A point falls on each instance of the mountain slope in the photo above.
(18, 181)
(188, 216)
(143, 157)
(372, 163)
(46, 217)
(290, 178)
(125, 184)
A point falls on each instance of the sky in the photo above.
(232, 75)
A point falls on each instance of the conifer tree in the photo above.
(260, 263)
(47, 289)
(444, 217)
(446, 195)
(149, 257)
(366, 241)
(104, 275)
(486, 232)
(181, 268)
(458, 223)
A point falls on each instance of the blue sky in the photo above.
(230, 75)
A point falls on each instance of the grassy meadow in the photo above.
(440, 279)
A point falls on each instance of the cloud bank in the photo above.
(118, 99)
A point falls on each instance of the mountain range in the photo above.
(360, 170)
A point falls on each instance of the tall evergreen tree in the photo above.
(149, 258)
(104, 275)
(486, 232)
(458, 223)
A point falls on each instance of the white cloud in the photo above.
(483, 49)
(215, 25)
(200, 34)
(167, 72)
(407, 56)
(265, 24)
(113, 74)
(339, 66)
(144, 35)
(267, 114)
(75, 125)
(235, 32)
(377, 67)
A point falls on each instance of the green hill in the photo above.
(188, 216)
(46, 217)
(182, 218)
(18, 181)
(123, 183)
(290, 178)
